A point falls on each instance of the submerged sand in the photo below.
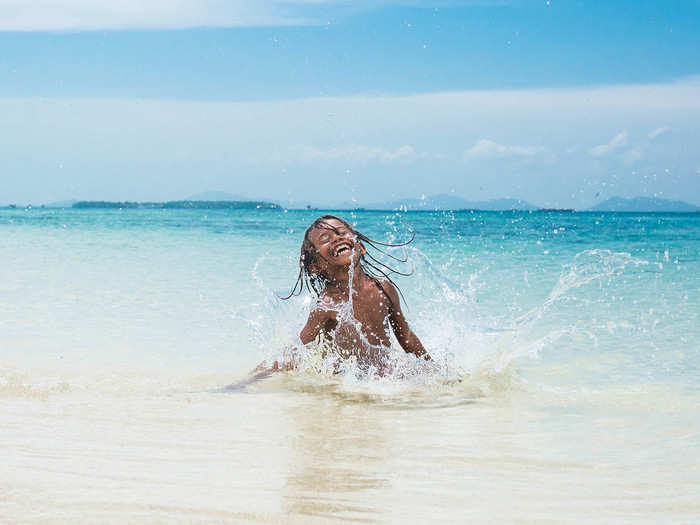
(296, 450)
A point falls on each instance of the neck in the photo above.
(342, 278)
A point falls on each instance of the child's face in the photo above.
(335, 242)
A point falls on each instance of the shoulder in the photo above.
(390, 290)
(322, 311)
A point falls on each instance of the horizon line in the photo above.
(285, 205)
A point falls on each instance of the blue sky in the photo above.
(325, 100)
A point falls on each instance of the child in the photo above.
(333, 262)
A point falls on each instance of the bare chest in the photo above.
(369, 322)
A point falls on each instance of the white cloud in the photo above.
(659, 131)
(357, 153)
(26, 15)
(157, 149)
(51, 15)
(486, 148)
(615, 143)
(634, 155)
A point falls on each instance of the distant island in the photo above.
(645, 204)
(451, 202)
(178, 205)
(216, 200)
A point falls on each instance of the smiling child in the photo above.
(333, 262)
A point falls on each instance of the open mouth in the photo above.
(341, 249)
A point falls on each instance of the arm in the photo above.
(407, 339)
(319, 321)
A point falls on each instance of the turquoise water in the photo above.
(580, 330)
(185, 284)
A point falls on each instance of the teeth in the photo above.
(341, 249)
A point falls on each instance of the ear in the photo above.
(363, 250)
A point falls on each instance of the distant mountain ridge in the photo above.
(440, 202)
(451, 202)
(644, 204)
(429, 203)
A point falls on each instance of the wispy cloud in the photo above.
(358, 153)
(23, 15)
(486, 148)
(659, 131)
(79, 147)
(51, 15)
(615, 143)
(634, 154)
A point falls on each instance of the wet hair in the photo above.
(374, 268)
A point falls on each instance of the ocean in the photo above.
(565, 385)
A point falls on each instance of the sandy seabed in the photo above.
(285, 451)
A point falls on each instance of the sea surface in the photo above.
(565, 385)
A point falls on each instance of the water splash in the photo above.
(468, 347)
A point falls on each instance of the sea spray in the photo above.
(468, 347)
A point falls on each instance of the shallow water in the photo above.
(568, 347)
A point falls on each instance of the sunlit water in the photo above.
(565, 383)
